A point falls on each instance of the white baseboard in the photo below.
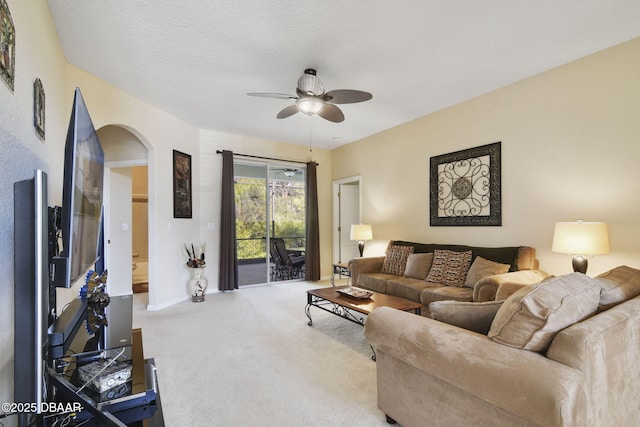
(158, 307)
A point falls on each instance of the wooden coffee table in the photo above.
(352, 309)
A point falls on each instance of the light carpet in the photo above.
(248, 357)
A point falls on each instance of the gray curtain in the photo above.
(228, 251)
(312, 243)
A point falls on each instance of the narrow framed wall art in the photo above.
(465, 187)
(182, 203)
(38, 107)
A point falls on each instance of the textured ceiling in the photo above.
(197, 59)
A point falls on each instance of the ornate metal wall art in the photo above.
(7, 45)
(465, 187)
(38, 107)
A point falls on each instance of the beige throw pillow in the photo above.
(530, 318)
(473, 316)
(482, 268)
(396, 259)
(449, 268)
(618, 285)
(418, 265)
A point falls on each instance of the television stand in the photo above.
(129, 402)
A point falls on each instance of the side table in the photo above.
(340, 269)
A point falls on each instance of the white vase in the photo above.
(197, 283)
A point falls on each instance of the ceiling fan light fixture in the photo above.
(310, 105)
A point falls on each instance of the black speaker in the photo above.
(31, 296)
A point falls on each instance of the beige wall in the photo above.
(570, 149)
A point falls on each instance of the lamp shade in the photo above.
(581, 238)
(361, 232)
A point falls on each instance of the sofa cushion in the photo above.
(418, 265)
(449, 268)
(396, 260)
(530, 318)
(473, 316)
(442, 293)
(618, 285)
(481, 268)
(376, 282)
(407, 287)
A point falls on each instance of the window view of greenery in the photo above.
(287, 214)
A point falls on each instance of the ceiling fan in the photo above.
(288, 172)
(312, 99)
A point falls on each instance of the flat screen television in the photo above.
(82, 195)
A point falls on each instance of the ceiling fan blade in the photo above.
(273, 95)
(346, 96)
(287, 111)
(331, 113)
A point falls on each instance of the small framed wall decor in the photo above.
(38, 107)
(182, 205)
(7, 45)
(465, 187)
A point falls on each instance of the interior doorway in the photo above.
(123, 152)
(140, 229)
(346, 211)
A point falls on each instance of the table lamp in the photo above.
(581, 238)
(361, 233)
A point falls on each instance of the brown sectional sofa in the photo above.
(523, 269)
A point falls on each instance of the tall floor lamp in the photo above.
(361, 233)
(581, 238)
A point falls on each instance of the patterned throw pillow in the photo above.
(449, 268)
(396, 259)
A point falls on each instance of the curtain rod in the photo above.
(268, 158)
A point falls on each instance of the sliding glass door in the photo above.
(270, 222)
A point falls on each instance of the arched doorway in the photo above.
(127, 210)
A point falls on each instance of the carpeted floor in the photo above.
(248, 358)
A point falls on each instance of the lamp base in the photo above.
(580, 264)
(361, 247)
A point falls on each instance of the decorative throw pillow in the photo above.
(531, 317)
(418, 265)
(482, 268)
(449, 268)
(618, 285)
(473, 316)
(396, 259)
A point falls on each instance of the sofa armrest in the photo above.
(358, 266)
(486, 289)
(520, 382)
